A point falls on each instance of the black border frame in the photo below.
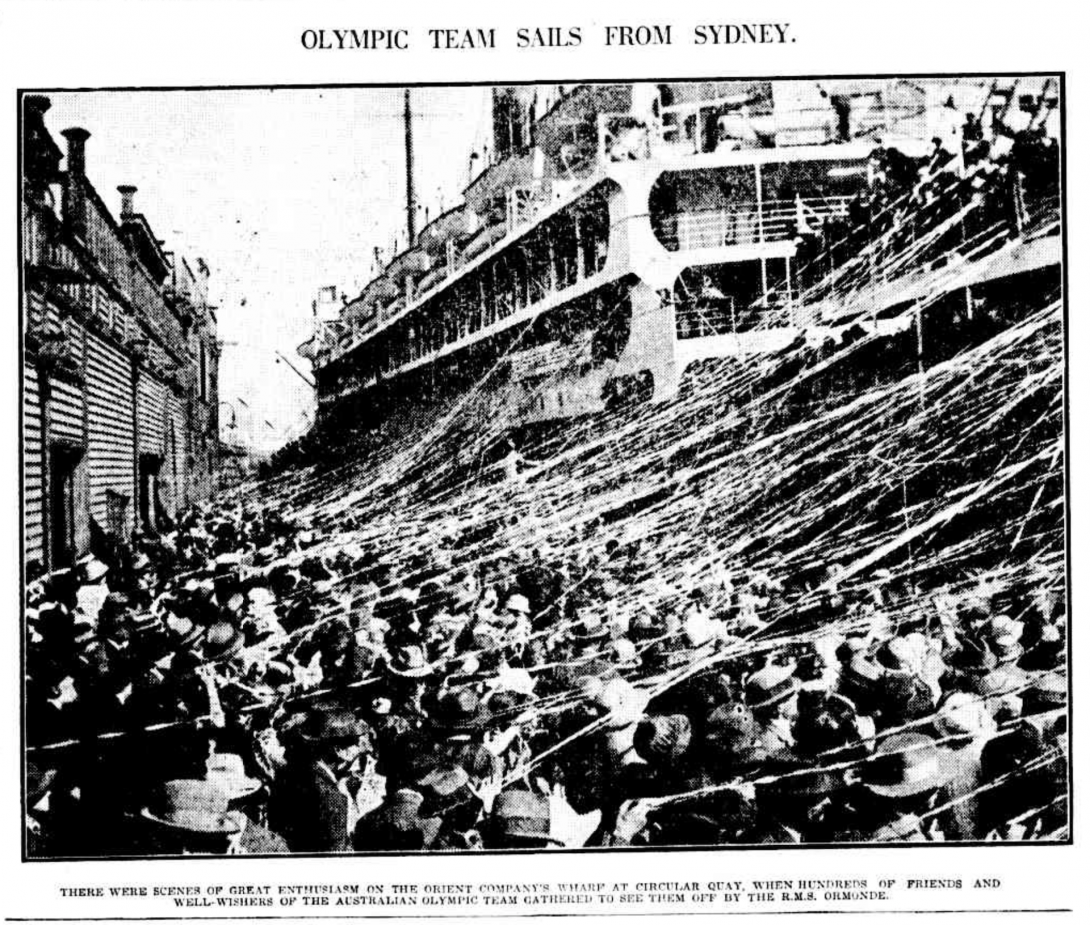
(1060, 75)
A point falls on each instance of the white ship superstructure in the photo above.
(627, 231)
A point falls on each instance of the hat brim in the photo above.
(779, 697)
(531, 837)
(240, 787)
(588, 637)
(422, 672)
(946, 768)
(230, 652)
(319, 739)
(218, 825)
(481, 720)
(190, 639)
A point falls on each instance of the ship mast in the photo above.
(410, 191)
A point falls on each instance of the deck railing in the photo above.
(747, 223)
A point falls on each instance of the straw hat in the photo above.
(222, 641)
(770, 686)
(227, 772)
(191, 806)
(518, 603)
(93, 569)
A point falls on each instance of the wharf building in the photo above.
(119, 371)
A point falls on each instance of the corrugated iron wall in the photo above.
(33, 530)
(110, 437)
(151, 404)
(179, 468)
(66, 411)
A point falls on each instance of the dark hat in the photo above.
(1049, 692)
(314, 569)
(663, 739)
(643, 628)
(729, 730)
(332, 724)
(907, 764)
(221, 642)
(397, 825)
(114, 605)
(904, 697)
(409, 662)
(461, 711)
(283, 578)
(191, 806)
(973, 656)
(476, 760)
(394, 609)
(769, 686)
(444, 788)
(521, 815)
(1006, 753)
(825, 721)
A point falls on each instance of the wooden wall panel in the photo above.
(111, 435)
(151, 404)
(33, 529)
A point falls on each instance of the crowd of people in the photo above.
(241, 685)
(979, 185)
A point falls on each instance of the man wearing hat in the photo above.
(520, 818)
(964, 724)
(902, 780)
(772, 695)
(313, 803)
(188, 816)
(904, 695)
(397, 825)
(450, 797)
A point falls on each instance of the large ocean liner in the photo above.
(616, 235)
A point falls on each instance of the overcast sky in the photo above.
(281, 192)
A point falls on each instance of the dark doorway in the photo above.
(63, 465)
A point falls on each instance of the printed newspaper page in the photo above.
(486, 460)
